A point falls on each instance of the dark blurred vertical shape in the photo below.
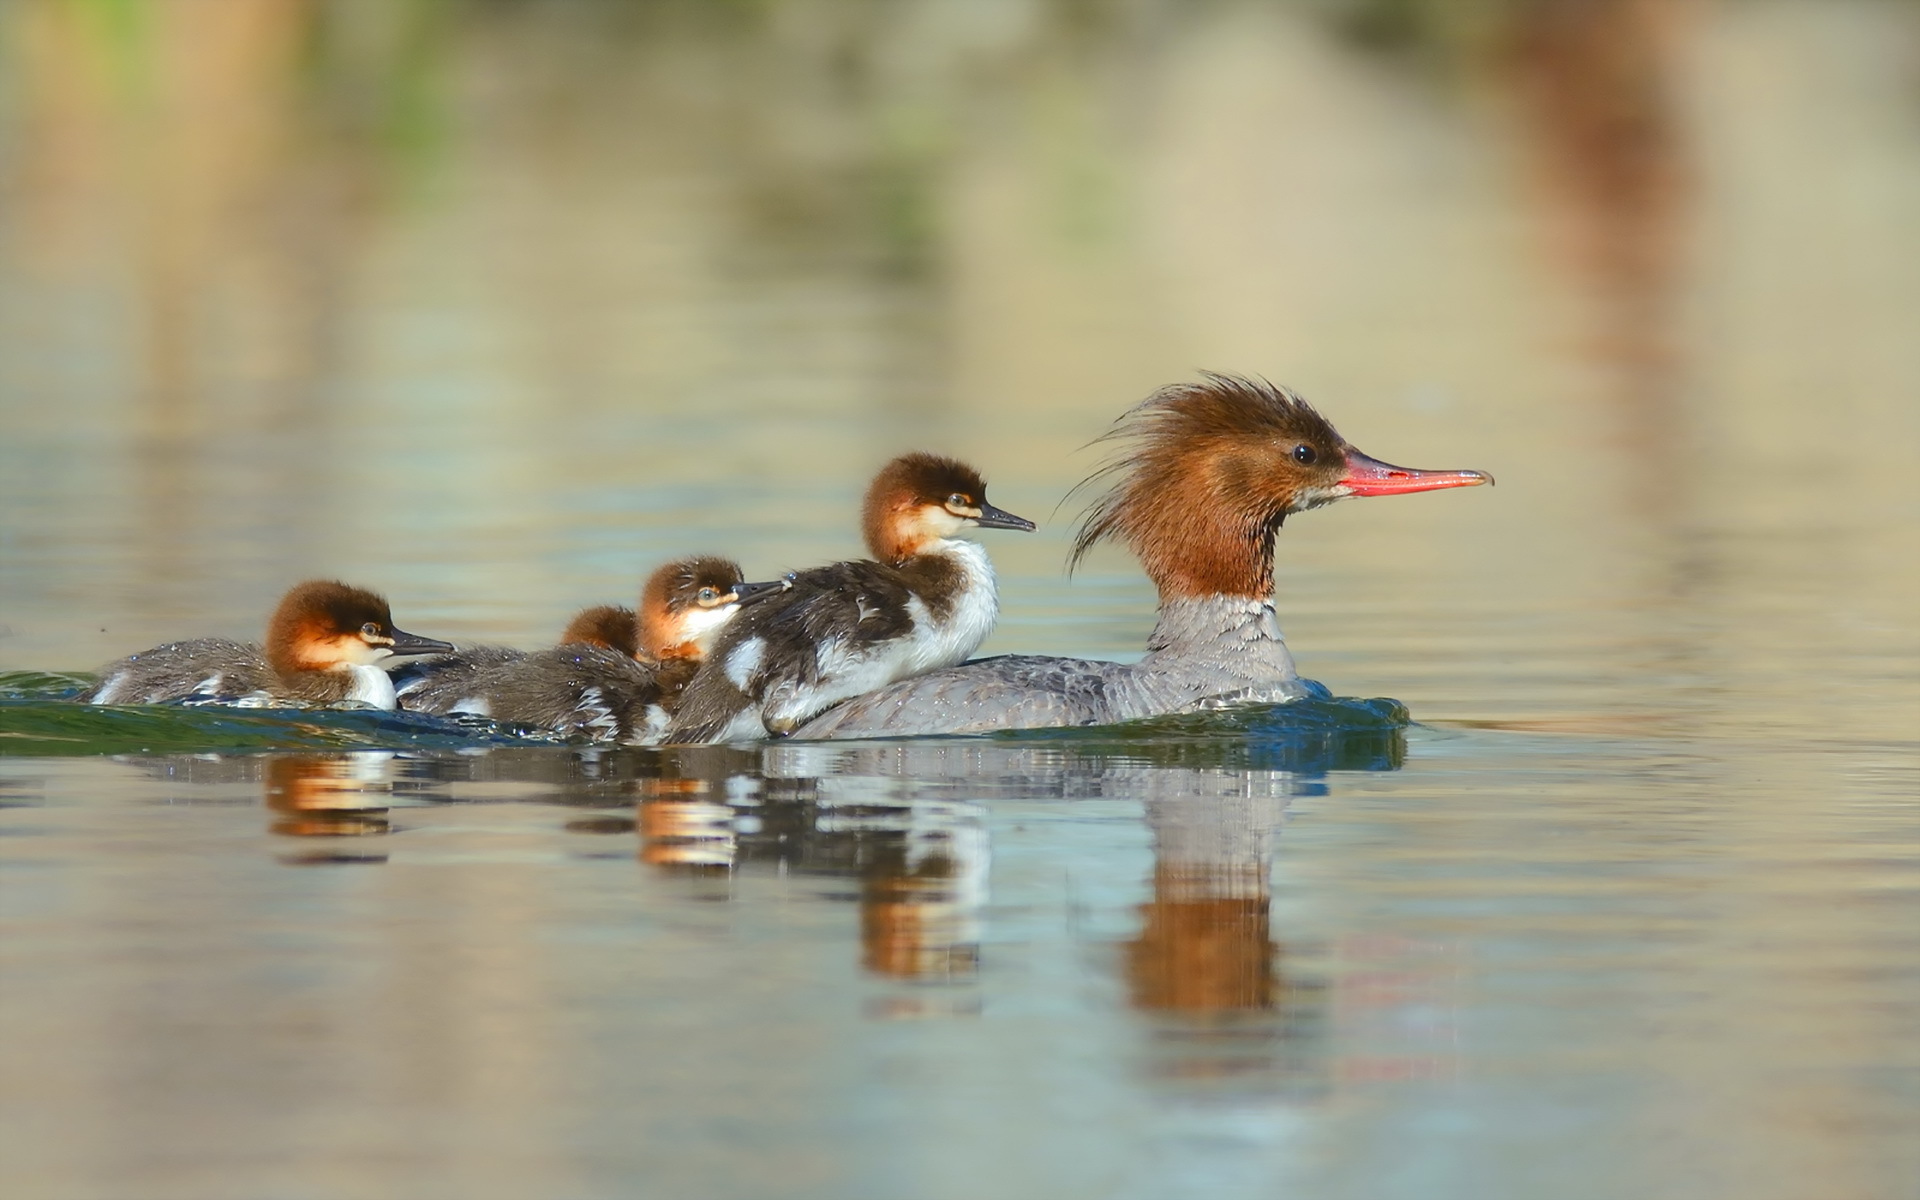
(366, 113)
(187, 121)
(1598, 78)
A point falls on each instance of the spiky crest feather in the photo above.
(1204, 480)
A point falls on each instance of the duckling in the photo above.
(597, 691)
(429, 684)
(926, 600)
(327, 642)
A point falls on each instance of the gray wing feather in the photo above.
(1015, 691)
(436, 685)
(204, 668)
(580, 691)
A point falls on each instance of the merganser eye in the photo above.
(1304, 455)
(370, 629)
(959, 500)
(708, 595)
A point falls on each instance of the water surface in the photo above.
(493, 307)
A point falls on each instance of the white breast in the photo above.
(975, 609)
(848, 668)
(699, 625)
(743, 660)
(652, 730)
(109, 690)
(372, 686)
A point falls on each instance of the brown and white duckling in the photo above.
(596, 690)
(429, 684)
(327, 642)
(926, 600)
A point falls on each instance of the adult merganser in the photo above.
(590, 688)
(1210, 472)
(327, 642)
(924, 601)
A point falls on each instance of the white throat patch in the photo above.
(372, 686)
(700, 625)
(975, 609)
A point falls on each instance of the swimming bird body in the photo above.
(1211, 472)
(327, 642)
(926, 600)
(431, 684)
(589, 688)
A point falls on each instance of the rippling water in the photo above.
(494, 306)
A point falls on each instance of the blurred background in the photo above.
(492, 305)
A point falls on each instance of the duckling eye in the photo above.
(959, 500)
(370, 629)
(707, 595)
(1304, 455)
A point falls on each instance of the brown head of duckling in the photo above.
(687, 602)
(325, 625)
(610, 626)
(918, 499)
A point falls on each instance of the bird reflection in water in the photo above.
(1204, 946)
(919, 909)
(329, 796)
(920, 863)
(1205, 963)
(308, 794)
(683, 828)
(1225, 1012)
